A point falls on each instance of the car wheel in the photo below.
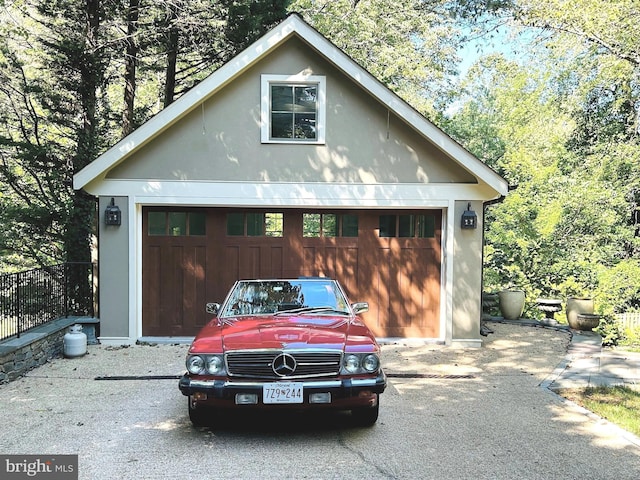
(199, 416)
(366, 416)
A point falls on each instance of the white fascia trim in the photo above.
(345, 195)
(446, 281)
(135, 273)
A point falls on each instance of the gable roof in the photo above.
(292, 25)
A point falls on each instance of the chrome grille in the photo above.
(260, 364)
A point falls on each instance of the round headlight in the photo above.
(351, 363)
(195, 365)
(214, 365)
(371, 363)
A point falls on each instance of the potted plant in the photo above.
(511, 303)
(586, 322)
(576, 306)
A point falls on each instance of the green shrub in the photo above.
(610, 330)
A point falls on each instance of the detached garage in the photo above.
(290, 160)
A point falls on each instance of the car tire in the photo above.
(366, 416)
(199, 416)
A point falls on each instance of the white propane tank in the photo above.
(74, 342)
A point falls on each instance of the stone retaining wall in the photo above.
(34, 348)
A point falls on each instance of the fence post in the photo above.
(18, 299)
(66, 289)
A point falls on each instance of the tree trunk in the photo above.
(80, 221)
(172, 57)
(131, 61)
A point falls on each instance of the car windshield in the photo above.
(268, 297)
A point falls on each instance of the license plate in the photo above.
(284, 392)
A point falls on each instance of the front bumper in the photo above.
(342, 390)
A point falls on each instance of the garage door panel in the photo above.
(407, 287)
(194, 297)
(382, 297)
(230, 266)
(254, 261)
(273, 268)
(332, 261)
(151, 297)
(399, 277)
(347, 270)
(172, 290)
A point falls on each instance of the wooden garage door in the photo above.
(393, 263)
(390, 259)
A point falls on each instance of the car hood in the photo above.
(285, 331)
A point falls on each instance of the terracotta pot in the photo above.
(586, 322)
(511, 303)
(576, 305)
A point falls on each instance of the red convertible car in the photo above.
(278, 344)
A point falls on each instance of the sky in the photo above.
(513, 42)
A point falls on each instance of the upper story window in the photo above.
(293, 109)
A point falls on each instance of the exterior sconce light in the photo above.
(469, 218)
(112, 214)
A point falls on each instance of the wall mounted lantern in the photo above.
(469, 218)
(112, 214)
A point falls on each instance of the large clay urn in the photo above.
(575, 306)
(511, 303)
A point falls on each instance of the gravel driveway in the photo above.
(447, 413)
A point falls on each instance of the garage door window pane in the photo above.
(387, 225)
(426, 226)
(406, 225)
(235, 224)
(329, 225)
(157, 223)
(273, 225)
(177, 223)
(311, 225)
(197, 223)
(255, 224)
(349, 225)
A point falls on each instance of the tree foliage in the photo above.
(409, 46)
(74, 78)
(564, 131)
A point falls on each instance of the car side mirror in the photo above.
(360, 307)
(213, 308)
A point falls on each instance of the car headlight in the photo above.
(205, 365)
(195, 364)
(371, 363)
(352, 363)
(215, 365)
(360, 363)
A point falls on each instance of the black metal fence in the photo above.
(35, 297)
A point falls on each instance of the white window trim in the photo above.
(265, 106)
